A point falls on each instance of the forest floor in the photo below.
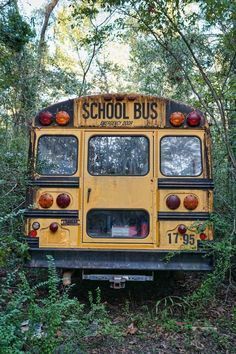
(139, 312)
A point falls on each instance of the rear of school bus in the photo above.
(120, 187)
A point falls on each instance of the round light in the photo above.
(120, 97)
(194, 119)
(36, 225)
(173, 201)
(62, 118)
(46, 200)
(53, 227)
(107, 97)
(190, 202)
(132, 97)
(182, 229)
(177, 119)
(33, 233)
(45, 118)
(63, 200)
(203, 236)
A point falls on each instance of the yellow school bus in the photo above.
(121, 187)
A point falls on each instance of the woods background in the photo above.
(183, 50)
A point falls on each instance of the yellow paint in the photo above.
(124, 192)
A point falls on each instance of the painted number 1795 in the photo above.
(186, 239)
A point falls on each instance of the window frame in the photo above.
(57, 135)
(120, 237)
(119, 135)
(182, 136)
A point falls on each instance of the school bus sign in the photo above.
(120, 111)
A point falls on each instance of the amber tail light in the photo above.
(62, 118)
(177, 119)
(190, 202)
(46, 200)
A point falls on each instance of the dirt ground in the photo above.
(138, 312)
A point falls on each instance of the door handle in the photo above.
(88, 194)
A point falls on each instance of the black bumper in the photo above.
(121, 259)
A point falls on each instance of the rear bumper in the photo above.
(121, 259)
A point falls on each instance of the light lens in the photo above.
(46, 200)
(173, 201)
(120, 97)
(33, 233)
(203, 236)
(182, 229)
(177, 119)
(53, 227)
(45, 118)
(190, 202)
(194, 119)
(107, 97)
(63, 200)
(36, 225)
(62, 118)
(132, 97)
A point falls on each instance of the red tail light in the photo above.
(45, 118)
(190, 202)
(33, 233)
(203, 236)
(182, 229)
(62, 118)
(63, 200)
(53, 227)
(177, 119)
(173, 202)
(46, 200)
(194, 119)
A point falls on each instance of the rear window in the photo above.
(118, 156)
(57, 155)
(118, 223)
(181, 156)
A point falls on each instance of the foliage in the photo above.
(33, 323)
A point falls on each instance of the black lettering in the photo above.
(101, 109)
(93, 105)
(137, 110)
(118, 110)
(153, 110)
(145, 112)
(110, 109)
(124, 112)
(85, 116)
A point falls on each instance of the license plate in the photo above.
(186, 241)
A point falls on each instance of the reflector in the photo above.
(53, 227)
(182, 229)
(203, 236)
(33, 233)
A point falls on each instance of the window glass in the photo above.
(57, 155)
(118, 155)
(181, 156)
(118, 223)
